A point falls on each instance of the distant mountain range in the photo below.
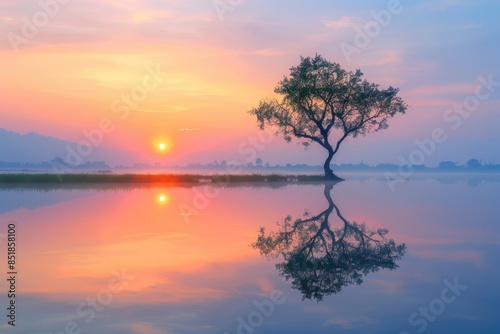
(27, 150)
(30, 147)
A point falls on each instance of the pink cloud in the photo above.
(455, 88)
(342, 23)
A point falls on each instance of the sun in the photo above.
(162, 198)
(163, 146)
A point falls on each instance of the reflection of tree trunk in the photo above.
(329, 175)
(328, 195)
(331, 206)
(319, 259)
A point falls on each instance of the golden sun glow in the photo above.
(162, 198)
(162, 145)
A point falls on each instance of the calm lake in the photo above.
(259, 258)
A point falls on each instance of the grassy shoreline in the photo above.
(217, 179)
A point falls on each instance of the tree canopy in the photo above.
(319, 97)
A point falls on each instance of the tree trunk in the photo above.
(329, 175)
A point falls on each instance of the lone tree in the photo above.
(319, 97)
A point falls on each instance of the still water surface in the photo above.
(309, 258)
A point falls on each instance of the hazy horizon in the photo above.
(207, 69)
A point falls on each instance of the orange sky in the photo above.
(70, 91)
(67, 77)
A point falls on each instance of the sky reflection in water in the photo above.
(203, 275)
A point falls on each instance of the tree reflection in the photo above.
(320, 260)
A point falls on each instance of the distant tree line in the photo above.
(472, 165)
(57, 162)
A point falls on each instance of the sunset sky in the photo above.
(212, 62)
